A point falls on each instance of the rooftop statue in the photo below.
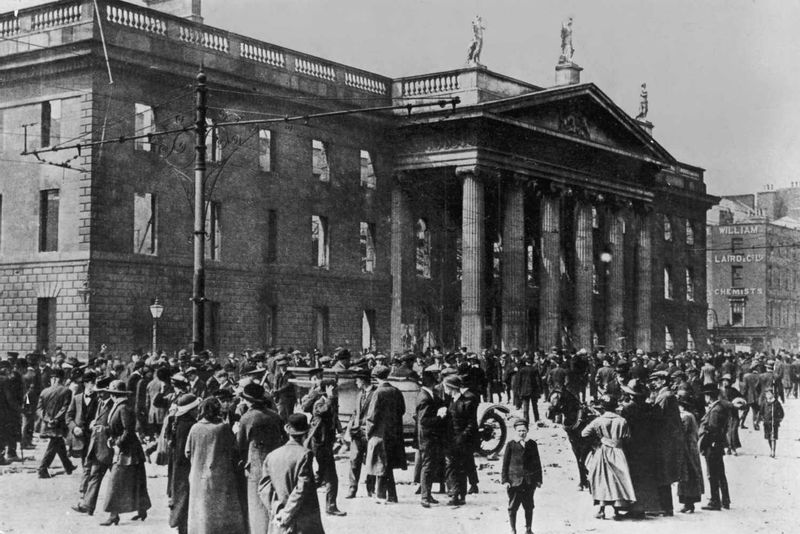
(476, 45)
(567, 49)
(643, 106)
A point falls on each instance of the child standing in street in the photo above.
(771, 416)
(522, 474)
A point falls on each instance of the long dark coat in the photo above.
(385, 445)
(668, 438)
(178, 483)
(260, 433)
(640, 451)
(215, 504)
(288, 484)
(127, 485)
(690, 485)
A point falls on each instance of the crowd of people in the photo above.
(246, 447)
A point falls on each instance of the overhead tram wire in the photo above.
(295, 118)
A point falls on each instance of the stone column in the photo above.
(584, 269)
(402, 233)
(472, 259)
(550, 272)
(615, 296)
(514, 283)
(644, 282)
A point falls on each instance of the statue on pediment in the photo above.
(643, 105)
(476, 45)
(567, 50)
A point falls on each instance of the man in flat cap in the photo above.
(463, 414)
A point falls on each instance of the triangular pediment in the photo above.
(584, 113)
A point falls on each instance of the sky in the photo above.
(721, 75)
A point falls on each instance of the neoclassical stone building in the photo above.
(524, 216)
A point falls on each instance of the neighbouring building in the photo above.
(753, 274)
(526, 216)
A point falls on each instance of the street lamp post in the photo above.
(156, 309)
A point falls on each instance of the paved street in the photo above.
(763, 493)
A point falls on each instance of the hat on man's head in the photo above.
(453, 381)
(726, 376)
(118, 388)
(179, 378)
(282, 360)
(253, 392)
(297, 424)
(380, 356)
(519, 421)
(102, 383)
(361, 373)
(710, 389)
(658, 374)
(635, 388)
(315, 371)
(88, 376)
(380, 372)
(186, 403)
(341, 353)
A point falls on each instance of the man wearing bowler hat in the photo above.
(287, 486)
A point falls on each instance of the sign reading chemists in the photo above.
(738, 230)
(738, 291)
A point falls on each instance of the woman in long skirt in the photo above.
(609, 476)
(127, 485)
(690, 485)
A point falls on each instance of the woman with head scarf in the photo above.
(127, 486)
(215, 479)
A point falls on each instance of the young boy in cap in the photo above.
(522, 474)
(771, 412)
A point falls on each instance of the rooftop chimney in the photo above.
(188, 9)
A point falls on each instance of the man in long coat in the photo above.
(81, 412)
(260, 432)
(668, 439)
(287, 486)
(385, 446)
(53, 405)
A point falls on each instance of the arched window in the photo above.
(423, 253)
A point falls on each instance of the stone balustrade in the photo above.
(9, 26)
(431, 85)
(136, 19)
(56, 15)
(121, 17)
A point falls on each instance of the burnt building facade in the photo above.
(522, 217)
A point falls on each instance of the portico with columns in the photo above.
(539, 203)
